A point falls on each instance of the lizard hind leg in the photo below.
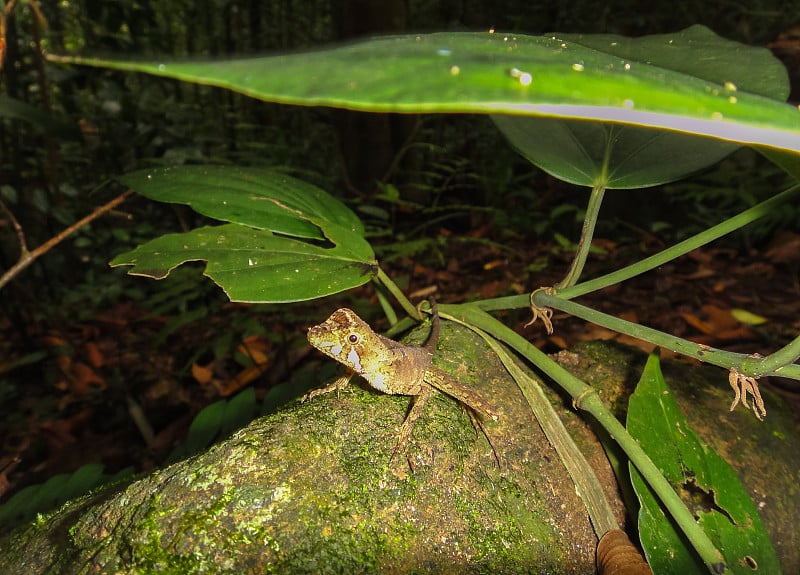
(417, 405)
(477, 423)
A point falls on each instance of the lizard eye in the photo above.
(353, 338)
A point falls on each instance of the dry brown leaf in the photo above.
(256, 348)
(82, 377)
(244, 377)
(93, 354)
(202, 373)
(785, 248)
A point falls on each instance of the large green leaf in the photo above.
(288, 240)
(614, 156)
(719, 501)
(560, 76)
(698, 52)
(607, 155)
(260, 198)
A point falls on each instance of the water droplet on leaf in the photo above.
(524, 77)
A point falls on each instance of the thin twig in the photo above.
(26, 257)
(23, 244)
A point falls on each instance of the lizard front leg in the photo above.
(336, 385)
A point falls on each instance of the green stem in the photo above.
(585, 243)
(398, 294)
(681, 248)
(744, 364)
(386, 306)
(652, 262)
(587, 399)
(778, 363)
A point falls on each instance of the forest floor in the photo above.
(104, 393)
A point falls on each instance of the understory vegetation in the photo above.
(380, 202)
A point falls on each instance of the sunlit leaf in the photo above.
(748, 317)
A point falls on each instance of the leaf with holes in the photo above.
(259, 266)
(706, 482)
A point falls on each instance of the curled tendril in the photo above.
(543, 313)
(742, 385)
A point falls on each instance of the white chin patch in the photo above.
(336, 350)
(354, 360)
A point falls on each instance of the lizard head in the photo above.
(346, 338)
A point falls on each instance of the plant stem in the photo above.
(715, 232)
(401, 298)
(585, 243)
(778, 363)
(386, 306)
(744, 364)
(652, 262)
(586, 398)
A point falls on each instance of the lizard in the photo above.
(390, 367)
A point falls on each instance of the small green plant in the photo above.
(601, 111)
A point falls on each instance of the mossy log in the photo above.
(312, 488)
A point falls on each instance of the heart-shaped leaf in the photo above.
(611, 156)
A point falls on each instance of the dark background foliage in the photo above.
(91, 359)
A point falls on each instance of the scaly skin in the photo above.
(388, 366)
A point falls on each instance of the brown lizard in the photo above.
(389, 366)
